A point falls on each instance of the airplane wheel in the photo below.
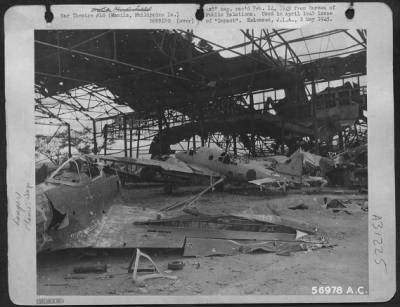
(220, 187)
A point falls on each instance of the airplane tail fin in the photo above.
(292, 168)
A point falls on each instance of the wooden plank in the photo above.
(223, 234)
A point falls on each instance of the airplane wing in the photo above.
(268, 180)
(202, 170)
(171, 165)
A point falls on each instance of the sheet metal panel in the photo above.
(223, 234)
(116, 229)
(202, 247)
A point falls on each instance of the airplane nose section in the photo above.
(251, 174)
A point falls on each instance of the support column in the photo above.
(234, 144)
(138, 142)
(159, 121)
(105, 138)
(281, 139)
(125, 138)
(115, 46)
(252, 137)
(94, 137)
(201, 124)
(69, 141)
(130, 142)
(314, 116)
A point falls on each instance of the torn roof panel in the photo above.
(168, 68)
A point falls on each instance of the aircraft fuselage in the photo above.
(221, 162)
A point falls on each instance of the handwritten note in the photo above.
(377, 241)
(23, 208)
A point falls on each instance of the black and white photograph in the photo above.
(201, 162)
(227, 162)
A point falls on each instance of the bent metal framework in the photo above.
(206, 163)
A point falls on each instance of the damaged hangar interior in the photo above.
(170, 162)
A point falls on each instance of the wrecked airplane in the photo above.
(303, 168)
(205, 162)
(76, 195)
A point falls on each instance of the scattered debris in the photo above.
(113, 291)
(91, 269)
(193, 199)
(299, 206)
(257, 224)
(142, 290)
(285, 253)
(203, 247)
(176, 265)
(248, 291)
(221, 283)
(338, 206)
(364, 206)
(335, 203)
(143, 270)
(74, 277)
(139, 280)
(103, 277)
(197, 265)
(221, 235)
